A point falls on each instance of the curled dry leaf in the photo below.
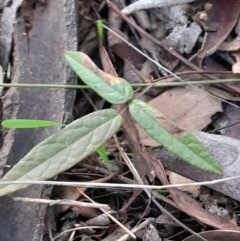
(218, 20)
(233, 45)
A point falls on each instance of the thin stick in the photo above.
(61, 202)
(126, 180)
(79, 228)
(166, 84)
(116, 185)
(196, 72)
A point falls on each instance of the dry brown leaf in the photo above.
(130, 73)
(188, 107)
(89, 44)
(105, 60)
(123, 50)
(218, 20)
(174, 178)
(233, 45)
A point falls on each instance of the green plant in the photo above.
(28, 123)
(84, 136)
(99, 25)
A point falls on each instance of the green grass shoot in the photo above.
(99, 25)
(102, 153)
(29, 123)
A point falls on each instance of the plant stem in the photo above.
(159, 85)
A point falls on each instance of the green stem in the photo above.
(161, 85)
(55, 86)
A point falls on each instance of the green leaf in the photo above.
(113, 89)
(100, 29)
(162, 191)
(64, 149)
(102, 153)
(186, 147)
(27, 123)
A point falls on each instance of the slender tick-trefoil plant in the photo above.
(86, 135)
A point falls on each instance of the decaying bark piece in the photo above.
(7, 18)
(38, 58)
